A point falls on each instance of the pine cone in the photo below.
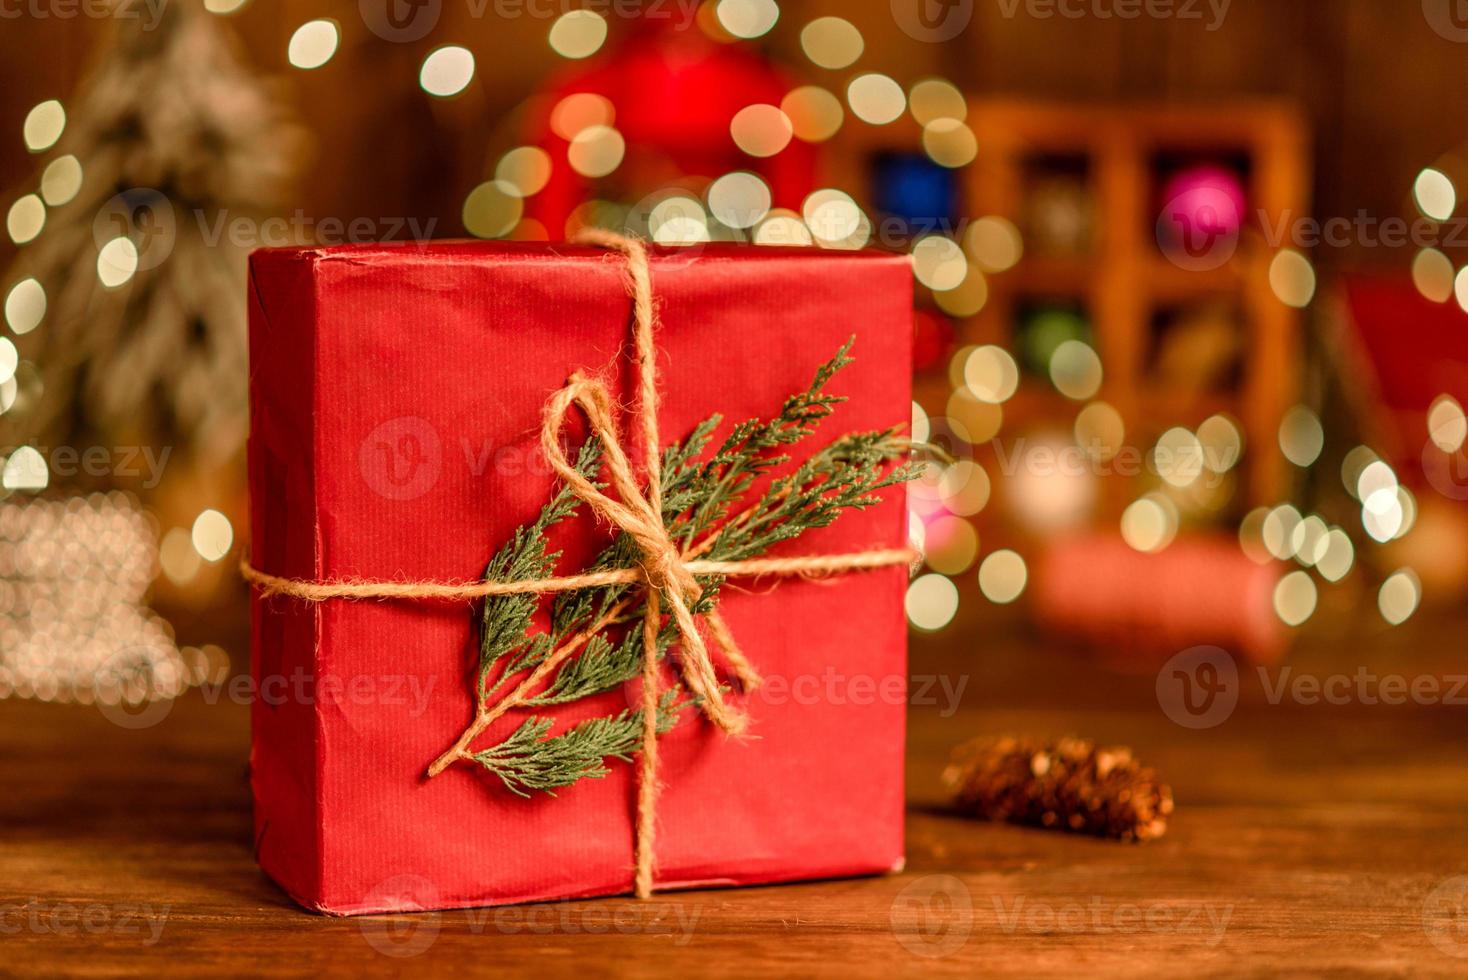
(1068, 784)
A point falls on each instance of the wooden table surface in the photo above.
(1309, 839)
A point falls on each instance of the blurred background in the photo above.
(1191, 323)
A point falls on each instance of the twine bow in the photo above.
(667, 574)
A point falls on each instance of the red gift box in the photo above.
(396, 398)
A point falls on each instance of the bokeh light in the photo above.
(313, 44)
(938, 262)
(1432, 274)
(596, 151)
(61, 180)
(447, 71)
(1292, 278)
(747, 18)
(761, 130)
(1003, 576)
(1447, 426)
(1075, 370)
(1295, 597)
(1434, 193)
(875, 98)
(1100, 430)
(492, 209)
(526, 169)
(991, 374)
(212, 535)
(1301, 436)
(831, 42)
(43, 126)
(26, 219)
(932, 602)
(967, 298)
(117, 262)
(580, 111)
(1399, 596)
(1150, 523)
(739, 200)
(994, 243)
(950, 545)
(578, 33)
(935, 98)
(815, 114)
(25, 306)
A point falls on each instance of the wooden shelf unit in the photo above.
(1125, 278)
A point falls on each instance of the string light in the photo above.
(1100, 430)
(1432, 274)
(831, 42)
(1075, 370)
(492, 209)
(25, 470)
(831, 215)
(1292, 278)
(581, 111)
(212, 535)
(1278, 531)
(25, 306)
(26, 219)
(1003, 576)
(596, 151)
(117, 262)
(1295, 597)
(1447, 426)
(313, 44)
(1336, 556)
(224, 6)
(1353, 464)
(1178, 457)
(1434, 193)
(739, 200)
(1399, 596)
(815, 114)
(933, 99)
(967, 298)
(782, 227)
(526, 169)
(9, 360)
(678, 220)
(1301, 436)
(61, 180)
(994, 243)
(991, 374)
(447, 71)
(950, 143)
(747, 18)
(932, 602)
(1149, 523)
(938, 262)
(1222, 441)
(875, 98)
(578, 34)
(761, 130)
(43, 126)
(1460, 288)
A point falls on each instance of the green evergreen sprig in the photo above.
(706, 510)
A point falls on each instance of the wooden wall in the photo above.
(1381, 88)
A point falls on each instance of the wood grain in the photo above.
(1308, 840)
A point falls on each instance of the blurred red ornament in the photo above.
(674, 93)
(932, 341)
(1202, 202)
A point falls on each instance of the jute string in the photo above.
(667, 574)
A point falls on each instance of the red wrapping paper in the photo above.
(396, 405)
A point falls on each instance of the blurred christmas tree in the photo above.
(130, 293)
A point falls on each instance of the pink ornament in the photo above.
(1201, 204)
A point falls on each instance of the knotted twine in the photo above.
(666, 573)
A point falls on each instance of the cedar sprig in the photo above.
(706, 511)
